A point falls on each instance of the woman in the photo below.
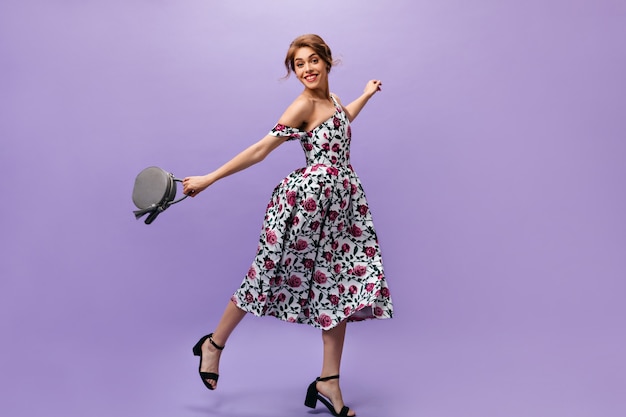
(318, 260)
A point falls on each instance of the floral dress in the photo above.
(318, 261)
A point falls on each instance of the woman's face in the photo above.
(310, 68)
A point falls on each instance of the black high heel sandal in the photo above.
(312, 395)
(197, 351)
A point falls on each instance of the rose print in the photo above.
(251, 273)
(360, 270)
(325, 320)
(332, 171)
(276, 281)
(355, 231)
(310, 205)
(270, 237)
(320, 277)
(301, 244)
(294, 281)
(291, 198)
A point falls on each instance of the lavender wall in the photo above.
(493, 161)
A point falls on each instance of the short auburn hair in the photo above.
(312, 41)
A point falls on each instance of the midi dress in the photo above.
(318, 261)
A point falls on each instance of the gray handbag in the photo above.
(154, 191)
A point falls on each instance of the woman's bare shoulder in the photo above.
(337, 98)
(297, 112)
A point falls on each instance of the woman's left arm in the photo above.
(353, 109)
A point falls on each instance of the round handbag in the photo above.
(154, 192)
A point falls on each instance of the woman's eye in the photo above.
(314, 60)
(299, 65)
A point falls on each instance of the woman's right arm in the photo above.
(295, 115)
(254, 154)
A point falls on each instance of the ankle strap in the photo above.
(327, 378)
(215, 345)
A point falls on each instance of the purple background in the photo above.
(493, 161)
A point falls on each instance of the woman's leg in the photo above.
(333, 348)
(210, 355)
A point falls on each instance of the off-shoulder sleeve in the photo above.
(290, 132)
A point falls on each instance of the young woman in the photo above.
(318, 260)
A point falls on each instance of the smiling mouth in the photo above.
(311, 77)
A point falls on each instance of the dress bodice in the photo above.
(326, 144)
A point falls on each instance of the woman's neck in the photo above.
(318, 93)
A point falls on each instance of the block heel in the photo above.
(197, 351)
(313, 395)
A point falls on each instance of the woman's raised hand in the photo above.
(372, 87)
